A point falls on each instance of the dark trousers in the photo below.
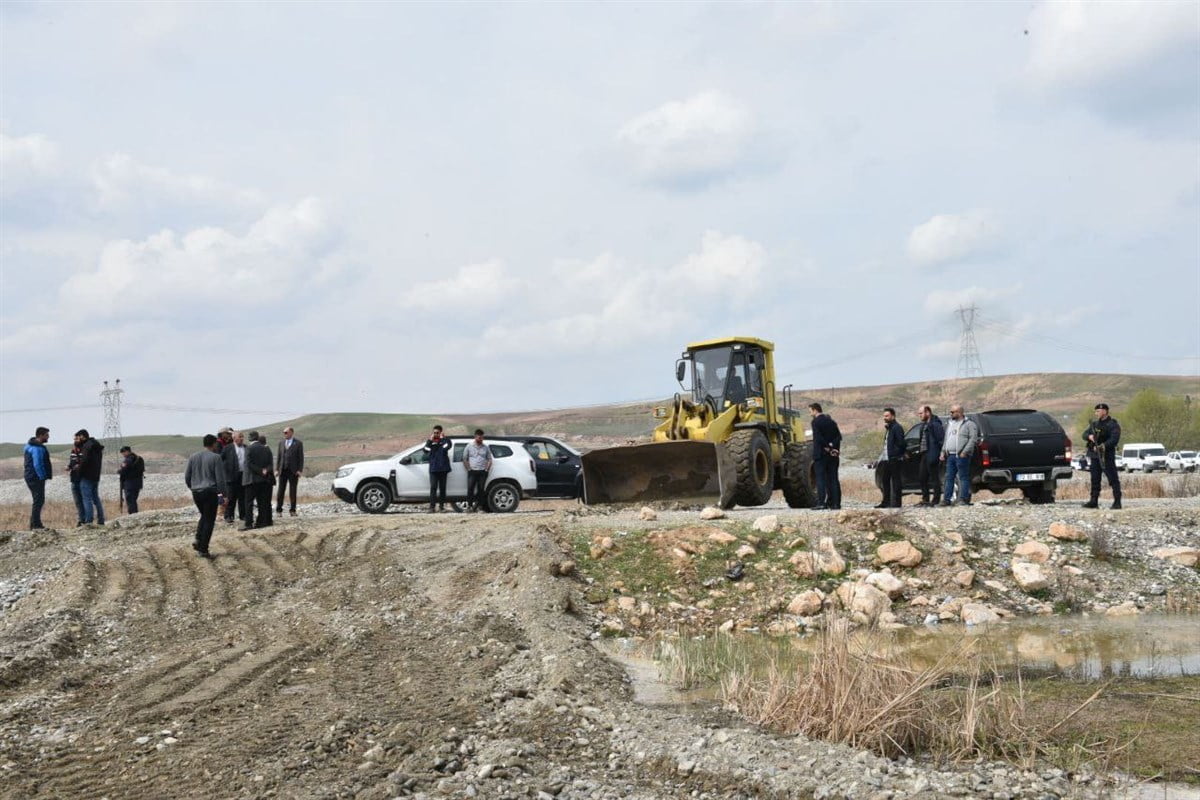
(77, 495)
(927, 473)
(829, 486)
(37, 488)
(206, 501)
(133, 488)
(437, 488)
(288, 480)
(476, 480)
(1109, 468)
(258, 494)
(892, 486)
(236, 499)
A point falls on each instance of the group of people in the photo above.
(952, 444)
(83, 469)
(237, 477)
(477, 457)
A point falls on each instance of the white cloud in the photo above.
(169, 275)
(123, 184)
(485, 283)
(948, 238)
(690, 142)
(1076, 43)
(31, 154)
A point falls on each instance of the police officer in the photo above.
(1102, 437)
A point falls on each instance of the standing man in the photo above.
(478, 459)
(892, 461)
(932, 437)
(289, 463)
(257, 481)
(224, 439)
(962, 435)
(205, 476)
(234, 459)
(438, 448)
(91, 453)
(1102, 437)
(37, 472)
(827, 447)
(132, 474)
(73, 472)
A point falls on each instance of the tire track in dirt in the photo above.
(159, 580)
(279, 562)
(211, 596)
(252, 668)
(113, 595)
(184, 675)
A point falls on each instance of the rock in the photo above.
(562, 568)
(1073, 570)
(807, 604)
(374, 754)
(1029, 576)
(726, 626)
(606, 543)
(920, 601)
(887, 583)
(829, 561)
(1032, 551)
(767, 524)
(485, 771)
(902, 553)
(745, 551)
(612, 625)
(995, 586)
(626, 603)
(1126, 609)
(965, 578)
(1067, 533)
(712, 512)
(1185, 556)
(978, 614)
(864, 602)
(805, 563)
(648, 514)
(721, 537)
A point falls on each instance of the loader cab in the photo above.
(722, 375)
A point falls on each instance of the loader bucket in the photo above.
(696, 471)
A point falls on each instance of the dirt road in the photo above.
(356, 656)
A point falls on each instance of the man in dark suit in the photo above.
(891, 460)
(933, 435)
(233, 458)
(827, 446)
(257, 481)
(289, 462)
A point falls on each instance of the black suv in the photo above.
(559, 470)
(1018, 449)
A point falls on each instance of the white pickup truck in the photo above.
(1182, 461)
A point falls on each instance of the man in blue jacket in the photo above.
(891, 460)
(827, 446)
(438, 449)
(932, 437)
(37, 472)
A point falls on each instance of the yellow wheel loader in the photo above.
(724, 440)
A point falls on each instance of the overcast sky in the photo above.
(400, 207)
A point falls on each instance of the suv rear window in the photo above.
(500, 450)
(1017, 422)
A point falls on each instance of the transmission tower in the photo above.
(969, 365)
(110, 398)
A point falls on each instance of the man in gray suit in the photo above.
(257, 481)
(289, 462)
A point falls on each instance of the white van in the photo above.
(1144, 456)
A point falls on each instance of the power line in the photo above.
(110, 398)
(969, 365)
(1073, 347)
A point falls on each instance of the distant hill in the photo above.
(333, 439)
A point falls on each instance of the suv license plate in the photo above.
(1031, 476)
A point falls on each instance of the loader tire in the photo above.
(751, 454)
(797, 475)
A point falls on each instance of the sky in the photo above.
(252, 211)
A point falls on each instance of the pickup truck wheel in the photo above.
(755, 471)
(797, 475)
(503, 497)
(373, 497)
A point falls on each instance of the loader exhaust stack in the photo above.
(689, 471)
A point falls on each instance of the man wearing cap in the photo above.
(1102, 437)
(131, 473)
(289, 462)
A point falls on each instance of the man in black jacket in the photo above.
(891, 460)
(91, 452)
(233, 458)
(438, 448)
(933, 435)
(827, 446)
(257, 481)
(132, 474)
(1102, 437)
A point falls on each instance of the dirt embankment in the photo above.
(372, 657)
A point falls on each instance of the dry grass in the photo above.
(859, 484)
(61, 515)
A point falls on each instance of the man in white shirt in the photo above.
(478, 459)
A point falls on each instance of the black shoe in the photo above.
(964, 502)
(897, 505)
(819, 508)
(881, 505)
(1091, 504)
(1116, 506)
(945, 503)
(923, 504)
(292, 513)
(196, 546)
(206, 554)
(246, 528)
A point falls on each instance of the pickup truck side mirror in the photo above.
(406, 460)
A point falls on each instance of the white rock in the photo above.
(965, 578)
(887, 583)
(864, 602)
(806, 604)
(1032, 551)
(647, 513)
(902, 552)
(726, 626)
(626, 603)
(1126, 609)
(712, 512)
(829, 561)
(767, 524)
(1067, 533)
(1029, 576)
(1186, 556)
(978, 614)
(721, 537)
(745, 551)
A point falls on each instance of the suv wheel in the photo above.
(373, 497)
(503, 497)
